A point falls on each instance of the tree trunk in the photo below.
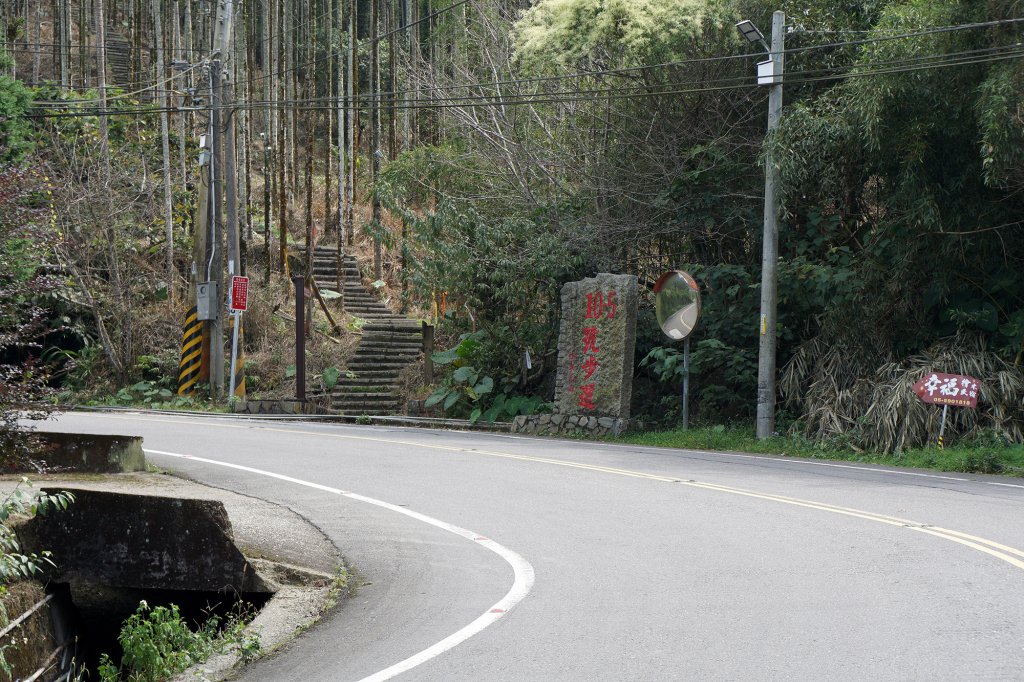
(166, 147)
(37, 45)
(101, 79)
(339, 222)
(378, 265)
(282, 144)
(352, 88)
(310, 121)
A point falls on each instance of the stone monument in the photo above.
(595, 359)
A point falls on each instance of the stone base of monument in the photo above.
(555, 424)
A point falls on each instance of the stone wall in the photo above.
(561, 424)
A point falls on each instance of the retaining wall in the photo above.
(555, 424)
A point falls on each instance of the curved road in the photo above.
(493, 557)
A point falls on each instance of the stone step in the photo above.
(370, 315)
(386, 383)
(394, 328)
(413, 337)
(382, 375)
(388, 329)
(355, 391)
(375, 306)
(359, 292)
(332, 266)
(350, 409)
(379, 364)
(387, 349)
(393, 345)
(353, 399)
(359, 397)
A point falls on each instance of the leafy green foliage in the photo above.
(330, 377)
(15, 134)
(469, 390)
(145, 392)
(575, 33)
(158, 643)
(24, 501)
(25, 304)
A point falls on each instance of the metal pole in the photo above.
(942, 426)
(234, 349)
(266, 210)
(300, 338)
(686, 384)
(770, 248)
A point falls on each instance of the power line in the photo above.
(675, 63)
(913, 34)
(739, 79)
(940, 62)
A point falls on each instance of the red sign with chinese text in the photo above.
(948, 389)
(239, 293)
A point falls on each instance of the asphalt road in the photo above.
(622, 563)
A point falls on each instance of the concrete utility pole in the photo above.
(770, 251)
(215, 265)
(221, 48)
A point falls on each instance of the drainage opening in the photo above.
(92, 616)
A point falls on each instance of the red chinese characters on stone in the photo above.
(587, 397)
(600, 306)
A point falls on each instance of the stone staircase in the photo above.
(119, 59)
(389, 344)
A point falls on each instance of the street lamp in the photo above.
(768, 73)
(750, 32)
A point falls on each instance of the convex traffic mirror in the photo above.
(677, 304)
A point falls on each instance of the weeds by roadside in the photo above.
(157, 643)
(981, 454)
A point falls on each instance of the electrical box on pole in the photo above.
(206, 300)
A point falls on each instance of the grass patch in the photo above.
(972, 456)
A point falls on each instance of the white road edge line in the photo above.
(521, 568)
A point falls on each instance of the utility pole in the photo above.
(221, 47)
(770, 249)
(215, 264)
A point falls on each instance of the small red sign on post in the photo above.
(948, 389)
(239, 293)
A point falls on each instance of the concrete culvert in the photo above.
(112, 550)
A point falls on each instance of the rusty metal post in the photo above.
(428, 351)
(300, 338)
